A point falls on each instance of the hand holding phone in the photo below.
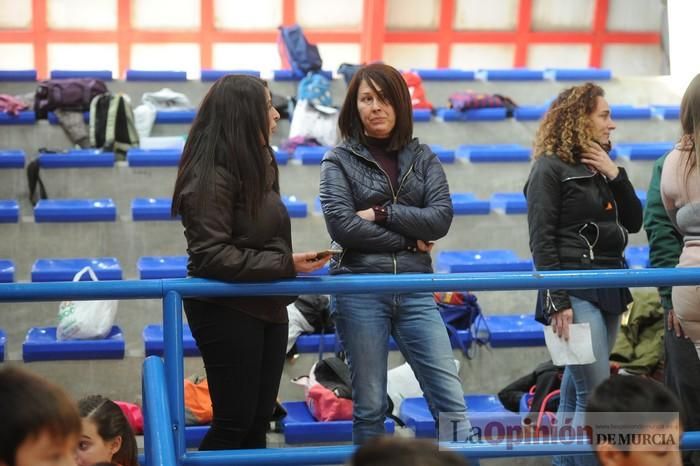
(327, 252)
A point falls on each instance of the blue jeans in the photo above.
(364, 323)
(579, 380)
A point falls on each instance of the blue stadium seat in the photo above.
(3, 339)
(514, 74)
(75, 210)
(7, 271)
(153, 340)
(530, 112)
(422, 114)
(482, 409)
(9, 211)
(642, 150)
(487, 260)
(491, 153)
(145, 75)
(630, 112)
(443, 154)
(666, 112)
(17, 75)
(282, 156)
(153, 157)
(53, 119)
(468, 204)
(637, 257)
(295, 208)
(12, 158)
(289, 75)
(213, 75)
(445, 74)
(104, 75)
(514, 331)
(63, 270)
(477, 114)
(175, 116)
(642, 195)
(579, 74)
(27, 117)
(41, 344)
(509, 203)
(149, 208)
(300, 427)
(310, 155)
(77, 158)
(156, 267)
(193, 436)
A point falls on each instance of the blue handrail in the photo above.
(159, 447)
(172, 292)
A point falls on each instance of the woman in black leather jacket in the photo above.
(581, 207)
(385, 199)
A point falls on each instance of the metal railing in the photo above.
(162, 381)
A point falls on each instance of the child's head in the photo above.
(40, 423)
(388, 451)
(107, 435)
(657, 420)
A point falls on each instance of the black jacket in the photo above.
(225, 243)
(578, 219)
(421, 208)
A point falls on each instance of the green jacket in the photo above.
(639, 345)
(665, 242)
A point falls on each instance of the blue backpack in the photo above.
(297, 51)
(315, 88)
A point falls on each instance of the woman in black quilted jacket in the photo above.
(385, 199)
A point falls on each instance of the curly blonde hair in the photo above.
(566, 128)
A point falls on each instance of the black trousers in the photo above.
(682, 373)
(243, 357)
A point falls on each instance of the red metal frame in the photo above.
(371, 37)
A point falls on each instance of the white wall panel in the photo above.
(261, 57)
(238, 14)
(557, 15)
(632, 60)
(634, 15)
(494, 15)
(167, 57)
(405, 56)
(329, 14)
(558, 56)
(335, 54)
(84, 57)
(475, 56)
(17, 57)
(412, 14)
(165, 14)
(82, 14)
(21, 17)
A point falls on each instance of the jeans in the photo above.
(580, 380)
(364, 323)
(243, 357)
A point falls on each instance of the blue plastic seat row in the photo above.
(147, 208)
(171, 157)
(75, 210)
(3, 340)
(9, 211)
(64, 269)
(492, 153)
(12, 158)
(41, 344)
(7, 271)
(487, 260)
(642, 150)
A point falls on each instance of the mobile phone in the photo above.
(328, 252)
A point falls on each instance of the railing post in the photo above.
(174, 368)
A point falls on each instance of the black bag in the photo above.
(67, 94)
(112, 125)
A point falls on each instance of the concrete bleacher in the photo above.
(491, 188)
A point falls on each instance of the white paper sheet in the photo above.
(578, 350)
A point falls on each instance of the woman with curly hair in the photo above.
(581, 207)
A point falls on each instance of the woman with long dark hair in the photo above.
(107, 435)
(237, 229)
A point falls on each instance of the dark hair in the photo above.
(690, 123)
(231, 133)
(387, 451)
(564, 130)
(111, 423)
(391, 88)
(31, 405)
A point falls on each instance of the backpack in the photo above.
(416, 89)
(328, 390)
(67, 94)
(112, 126)
(468, 100)
(460, 311)
(297, 52)
(316, 89)
(348, 70)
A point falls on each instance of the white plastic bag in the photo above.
(84, 320)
